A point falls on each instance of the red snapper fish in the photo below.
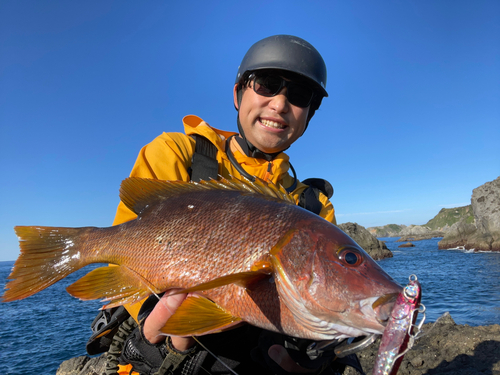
(243, 250)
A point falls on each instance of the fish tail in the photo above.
(48, 254)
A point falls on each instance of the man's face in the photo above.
(271, 124)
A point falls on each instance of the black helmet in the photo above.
(289, 53)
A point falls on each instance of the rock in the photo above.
(484, 234)
(408, 244)
(376, 248)
(72, 366)
(457, 235)
(418, 233)
(420, 238)
(96, 366)
(389, 230)
(83, 366)
(446, 348)
(415, 230)
(486, 206)
(445, 319)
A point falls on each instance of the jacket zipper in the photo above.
(269, 171)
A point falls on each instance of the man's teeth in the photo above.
(272, 124)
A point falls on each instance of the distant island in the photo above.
(472, 227)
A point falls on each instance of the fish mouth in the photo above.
(379, 308)
(383, 306)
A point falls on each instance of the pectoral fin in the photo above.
(199, 316)
(242, 279)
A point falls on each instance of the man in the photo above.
(280, 84)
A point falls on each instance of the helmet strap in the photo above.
(249, 149)
(245, 144)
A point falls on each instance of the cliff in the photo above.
(389, 230)
(449, 216)
(443, 348)
(436, 227)
(484, 233)
(376, 248)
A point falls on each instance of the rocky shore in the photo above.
(446, 348)
(443, 348)
(376, 248)
(484, 233)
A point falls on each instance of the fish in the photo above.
(400, 331)
(242, 250)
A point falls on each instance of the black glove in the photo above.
(303, 352)
(147, 358)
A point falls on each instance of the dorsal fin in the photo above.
(138, 193)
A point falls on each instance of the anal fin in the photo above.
(116, 285)
(199, 316)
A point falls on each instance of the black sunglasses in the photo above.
(266, 84)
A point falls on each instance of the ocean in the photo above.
(40, 332)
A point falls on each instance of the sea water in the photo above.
(464, 283)
(40, 332)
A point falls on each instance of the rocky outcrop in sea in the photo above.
(484, 233)
(407, 244)
(444, 347)
(376, 248)
(418, 233)
(408, 233)
(389, 230)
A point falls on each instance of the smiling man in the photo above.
(279, 85)
(268, 120)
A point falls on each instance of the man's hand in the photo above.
(166, 307)
(163, 310)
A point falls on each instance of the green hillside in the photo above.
(388, 230)
(450, 216)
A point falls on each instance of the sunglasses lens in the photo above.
(270, 85)
(299, 95)
(267, 85)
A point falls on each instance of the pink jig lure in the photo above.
(399, 334)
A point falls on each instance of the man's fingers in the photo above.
(163, 310)
(169, 303)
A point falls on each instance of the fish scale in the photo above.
(243, 250)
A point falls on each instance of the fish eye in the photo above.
(351, 257)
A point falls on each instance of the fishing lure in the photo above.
(401, 331)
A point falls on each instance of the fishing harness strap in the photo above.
(204, 165)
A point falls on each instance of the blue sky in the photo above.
(412, 123)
